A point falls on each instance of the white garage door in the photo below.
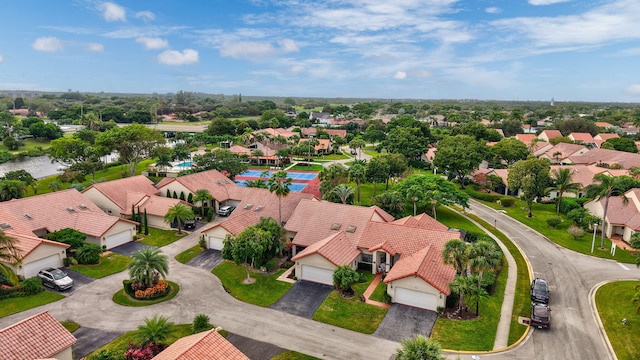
(316, 274)
(31, 269)
(215, 243)
(118, 239)
(415, 298)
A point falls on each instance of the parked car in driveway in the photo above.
(226, 210)
(190, 224)
(55, 279)
(540, 316)
(540, 291)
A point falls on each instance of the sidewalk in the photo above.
(370, 290)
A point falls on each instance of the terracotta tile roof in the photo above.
(212, 180)
(581, 137)
(565, 150)
(404, 240)
(155, 205)
(526, 138)
(61, 209)
(26, 244)
(426, 264)
(117, 190)
(549, 134)
(596, 156)
(339, 249)
(323, 144)
(603, 124)
(539, 147)
(40, 336)
(275, 132)
(312, 221)
(336, 132)
(621, 213)
(606, 137)
(208, 345)
(500, 132)
(422, 221)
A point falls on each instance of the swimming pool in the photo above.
(185, 164)
(294, 175)
(294, 187)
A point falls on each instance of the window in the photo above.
(366, 258)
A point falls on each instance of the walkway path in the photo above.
(372, 287)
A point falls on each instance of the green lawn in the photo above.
(188, 254)
(109, 264)
(360, 288)
(121, 298)
(159, 237)
(70, 326)
(16, 305)
(313, 167)
(121, 343)
(378, 293)
(29, 144)
(350, 313)
(614, 303)
(265, 291)
(293, 355)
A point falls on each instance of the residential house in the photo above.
(583, 138)
(207, 345)
(607, 158)
(218, 185)
(559, 153)
(600, 138)
(527, 139)
(604, 125)
(38, 337)
(547, 135)
(323, 146)
(623, 217)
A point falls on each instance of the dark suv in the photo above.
(540, 316)
(190, 224)
(55, 278)
(539, 291)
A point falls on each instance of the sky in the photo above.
(569, 50)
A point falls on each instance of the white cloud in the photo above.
(634, 90)
(400, 75)
(1, 58)
(95, 47)
(493, 10)
(288, 45)
(255, 50)
(546, 2)
(145, 15)
(49, 44)
(153, 43)
(113, 12)
(173, 57)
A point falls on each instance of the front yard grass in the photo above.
(378, 293)
(265, 291)
(70, 325)
(121, 343)
(350, 313)
(16, 305)
(293, 355)
(109, 264)
(159, 237)
(188, 254)
(614, 303)
(121, 297)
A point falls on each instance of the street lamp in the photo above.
(593, 242)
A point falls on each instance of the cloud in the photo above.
(633, 90)
(113, 12)
(255, 50)
(400, 75)
(153, 43)
(546, 2)
(173, 57)
(493, 10)
(145, 15)
(48, 44)
(1, 58)
(95, 47)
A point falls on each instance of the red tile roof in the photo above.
(550, 134)
(339, 249)
(208, 345)
(422, 221)
(526, 138)
(404, 240)
(26, 244)
(212, 180)
(117, 190)
(596, 156)
(565, 150)
(40, 336)
(581, 137)
(426, 264)
(155, 205)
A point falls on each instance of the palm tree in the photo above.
(9, 253)
(344, 192)
(419, 348)
(477, 294)
(178, 213)
(256, 154)
(279, 184)
(462, 285)
(202, 196)
(390, 201)
(557, 155)
(164, 161)
(155, 330)
(146, 263)
(562, 183)
(455, 253)
(414, 194)
(358, 172)
(605, 186)
(484, 255)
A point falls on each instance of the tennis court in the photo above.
(299, 179)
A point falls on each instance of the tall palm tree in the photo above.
(178, 213)
(476, 294)
(419, 347)
(146, 263)
(357, 173)
(462, 285)
(279, 184)
(605, 186)
(484, 256)
(155, 330)
(202, 196)
(343, 191)
(164, 161)
(562, 183)
(455, 253)
(9, 253)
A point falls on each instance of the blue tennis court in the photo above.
(294, 187)
(294, 175)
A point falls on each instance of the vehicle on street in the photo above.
(540, 316)
(190, 224)
(226, 210)
(55, 279)
(540, 291)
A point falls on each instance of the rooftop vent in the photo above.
(336, 226)
(248, 206)
(218, 182)
(28, 216)
(5, 226)
(70, 209)
(259, 207)
(82, 207)
(351, 228)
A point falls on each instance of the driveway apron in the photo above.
(90, 339)
(130, 248)
(254, 349)
(207, 259)
(402, 322)
(303, 299)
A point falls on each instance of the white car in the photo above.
(225, 210)
(55, 278)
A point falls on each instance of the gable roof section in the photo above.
(40, 336)
(117, 190)
(526, 138)
(622, 214)
(427, 265)
(581, 137)
(565, 150)
(204, 345)
(549, 134)
(27, 244)
(597, 156)
(404, 240)
(155, 205)
(339, 249)
(422, 221)
(212, 180)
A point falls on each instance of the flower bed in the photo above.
(139, 292)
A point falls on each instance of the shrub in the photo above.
(143, 352)
(66, 261)
(635, 241)
(202, 242)
(201, 323)
(554, 222)
(88, 254)
(159, 290)
(32, 286)
(472, 237)
(69, 236)
(209, 214)
(483, 196)
(488, 281)
(507, 201)
(569, 204)
(272, 264)
(575, 231)
(108, 355)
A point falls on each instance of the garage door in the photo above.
(415, 298)
(118, 239)
(316, 274)
(31, 269)
(215, 243)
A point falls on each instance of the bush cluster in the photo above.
(159, 290)
(483, 196)
(28, 287)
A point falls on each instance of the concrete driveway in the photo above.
(254, 349)
(130, 247)
(402, 322)
(303, 299)
(90, 339)
(79, 280)
(207, 259)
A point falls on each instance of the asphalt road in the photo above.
(574, 333)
